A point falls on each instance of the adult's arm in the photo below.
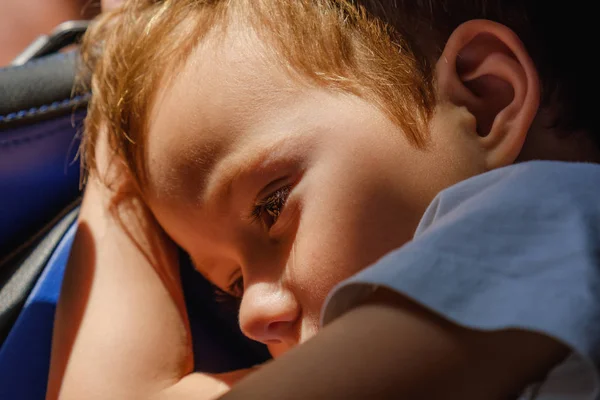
(391, 348)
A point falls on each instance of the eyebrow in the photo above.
(194, 169)
(222, 187)
(219, 186)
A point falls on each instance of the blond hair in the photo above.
(331, 43)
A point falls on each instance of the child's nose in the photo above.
(269, 314)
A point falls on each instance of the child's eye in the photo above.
(236, 289)
(268, 209)
(232, 296)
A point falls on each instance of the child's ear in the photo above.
(486, 68)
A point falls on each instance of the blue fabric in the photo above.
(25, 355)
(39, 176)
(515, 247)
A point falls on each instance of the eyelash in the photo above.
(233, 294)
(226, 300)
(271, 207)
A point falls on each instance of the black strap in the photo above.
(42, 87)
(20, 270)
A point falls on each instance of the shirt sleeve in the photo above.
(514, 248)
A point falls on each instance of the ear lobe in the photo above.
(486, 68)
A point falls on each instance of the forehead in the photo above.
(228, 84)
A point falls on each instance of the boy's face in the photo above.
(290, 187)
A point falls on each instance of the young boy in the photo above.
(288, 146)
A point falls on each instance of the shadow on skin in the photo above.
(213, 340)
(76, 286)
(217, 341)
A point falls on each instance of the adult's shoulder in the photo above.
(548, 192)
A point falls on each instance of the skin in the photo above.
(206, 132)
(21, 22)
(358, 190)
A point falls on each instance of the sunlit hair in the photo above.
(328, 43)
(383, 50)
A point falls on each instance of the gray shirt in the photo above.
(517, 247)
